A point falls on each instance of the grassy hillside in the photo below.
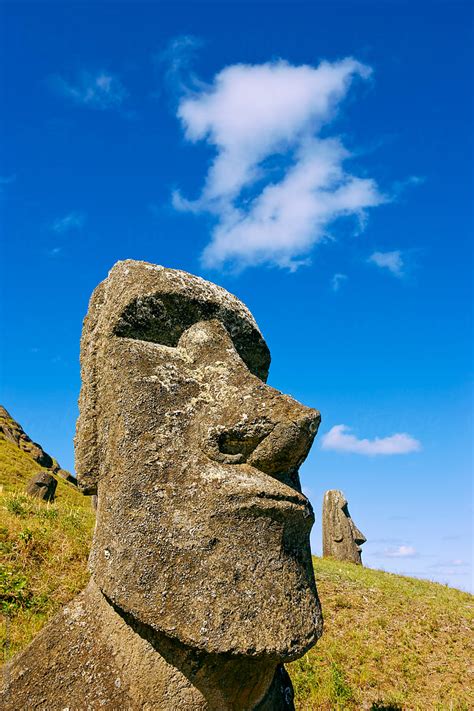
(43, 549)
(389, 642)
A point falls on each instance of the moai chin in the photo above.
(202, 583)
(341, 537)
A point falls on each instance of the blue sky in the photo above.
(313, 158)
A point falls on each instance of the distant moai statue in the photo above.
(202, 582)
(341, 537)
(42, 486)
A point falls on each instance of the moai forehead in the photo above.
(152, 303)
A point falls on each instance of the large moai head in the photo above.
(341, 537)
(202, 530)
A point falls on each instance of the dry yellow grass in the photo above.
(389, 640)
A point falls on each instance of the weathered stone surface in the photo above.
(341, 537)
(202, 582)
(90, 657)
(42, 486)
(64, 474)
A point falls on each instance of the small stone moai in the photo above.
(42, 486)
(202, 582)
(341, 538)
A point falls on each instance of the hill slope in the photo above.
(389, 641)
(43, 547)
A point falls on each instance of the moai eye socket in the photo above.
(162, 318)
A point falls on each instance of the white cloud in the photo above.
(337, 281)
(100, 90)
(275, 184)
(401, 552)
(389, 260)
(68, 223)
(339, 439)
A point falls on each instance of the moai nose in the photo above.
(258, 425)
(276, 446)
(359, 537)
(285, 448)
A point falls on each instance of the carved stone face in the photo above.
(202, 530)
(42, 486)
(341, 537)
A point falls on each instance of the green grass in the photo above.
(389, 642)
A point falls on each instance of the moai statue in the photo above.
(341, 538)
(202, 582)
(42, 486)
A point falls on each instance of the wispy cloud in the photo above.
(275, 184)
(389, 260)
(69, 223)
(339, 439)
(454, 563)
(400, 186)
(401, 552)
(176, 59)
(398, 517)
(337, 281)
(7, 179)
(452, 537)
(96, 90)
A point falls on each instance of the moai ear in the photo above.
(86, 439)
(336, 524)
(87, 464)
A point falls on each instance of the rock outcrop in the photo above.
(14, 432)
(341, 537)
(202, 582)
